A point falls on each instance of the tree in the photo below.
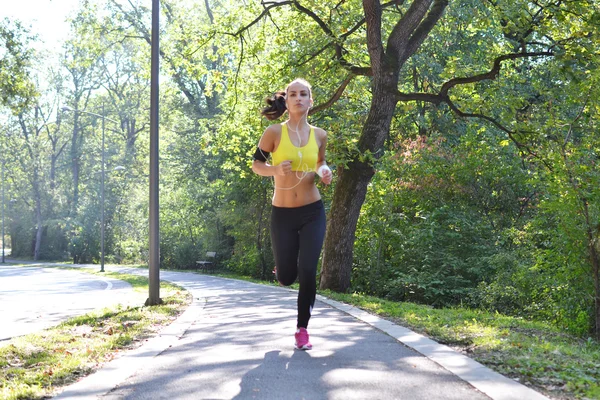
(18, 92)
(197, 67)
(191, 65)
(568, 118)
(128, 90)
(395, 32)
(17, 89)
(33, 124)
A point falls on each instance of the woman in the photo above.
(297, 217)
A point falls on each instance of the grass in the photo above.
(534, 353)
(33, 366)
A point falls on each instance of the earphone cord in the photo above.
(304, 171)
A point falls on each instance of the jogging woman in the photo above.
(297, 152)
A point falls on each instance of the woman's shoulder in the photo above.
(270, 137)
(319, 132)
(274, 129)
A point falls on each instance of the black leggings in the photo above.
(297, 235)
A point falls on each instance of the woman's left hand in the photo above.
(327, 176)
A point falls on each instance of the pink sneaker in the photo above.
(302, 342)
(276, 278)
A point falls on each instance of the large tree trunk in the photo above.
(596, 275)
(351, 189)
(341, 226)
(593, 242)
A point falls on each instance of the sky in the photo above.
(45, 17)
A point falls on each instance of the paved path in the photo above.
(236, 342)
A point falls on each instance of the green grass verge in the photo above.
(534, 353)
(35, 365)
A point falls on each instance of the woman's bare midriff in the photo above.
(290, 191)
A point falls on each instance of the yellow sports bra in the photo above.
(303, 158)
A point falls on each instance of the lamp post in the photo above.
(154, 242)
(104, 118)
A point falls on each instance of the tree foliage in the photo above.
(463, 135)
(17, 89)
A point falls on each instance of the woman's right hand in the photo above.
(283, 168)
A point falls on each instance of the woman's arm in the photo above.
(325, 173)
(267, 143)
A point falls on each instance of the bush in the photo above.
(130, 251)
(55, 244)
(250, 262)
(181, 255)
(436, 259)
(520, 288)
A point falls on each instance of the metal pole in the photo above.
(154, 251)
(102, 200)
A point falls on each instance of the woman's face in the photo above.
(298, 98)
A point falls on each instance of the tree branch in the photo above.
(268, 5)
(425, 27)
(425, 97)
(209, 12)
(373, 13)
(336, 96)
(307, 58)
(237, 74)
(443, 97)
(339, 51)
(353, 29)
(493, 73)
(315, 18)
(511, 134)
(336, 42)
(404, 28)
(577, 117)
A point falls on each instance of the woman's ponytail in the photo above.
(276, 106)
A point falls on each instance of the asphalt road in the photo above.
(33, 298)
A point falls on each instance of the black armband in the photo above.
(261, 155)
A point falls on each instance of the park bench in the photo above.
(207, 265)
